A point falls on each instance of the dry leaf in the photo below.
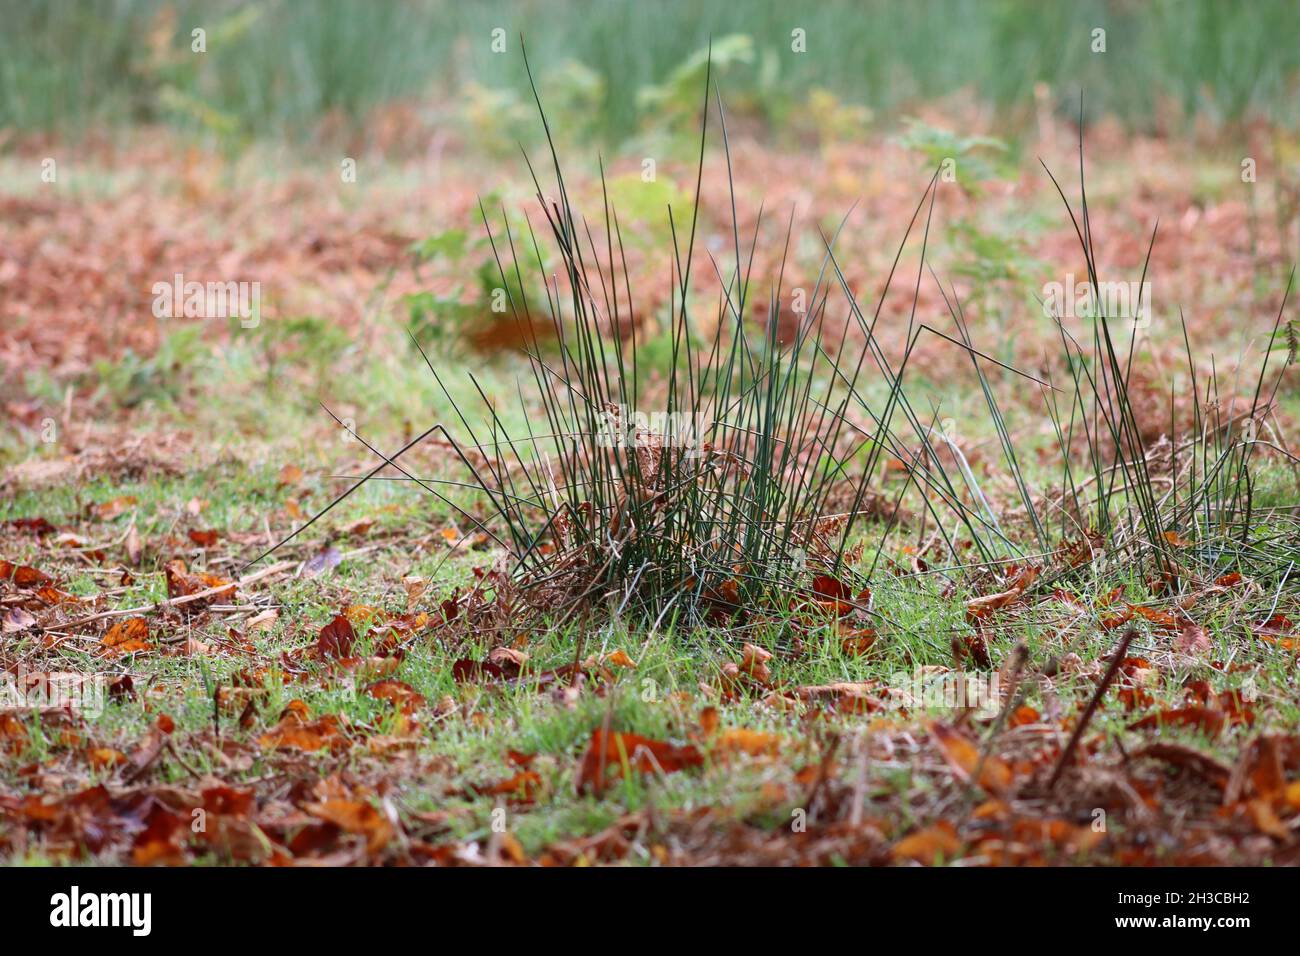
(928, 845)
(127, 636)
(963, 756)
(609, 752)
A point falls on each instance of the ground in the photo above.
(358, 696)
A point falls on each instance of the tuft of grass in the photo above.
(696, 492)
(735, 475)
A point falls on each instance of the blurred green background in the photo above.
(286, 68)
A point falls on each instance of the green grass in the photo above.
(660, 698)
(277, 67)
(253, 402)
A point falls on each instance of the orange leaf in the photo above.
(293, 731)
(111, 509)
(832, 589)
(619, 658)
(103, 758)
(398, 693)
(523, 786)
(753, 742)
(709, 721)
(182, 583)
(355, 816)
(753, 661)
(128, 636)
(1266, 819)
(1265, 772)
(1018, 580)
(857, 642)
(23, 576)
(160, 840)
(1154, 615)
(1024, 714)
(925, 846)
(964, 757)
(1207, 720)
(641, 754)
(1292, 794)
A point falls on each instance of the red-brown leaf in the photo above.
(336, 638)
(642, 755)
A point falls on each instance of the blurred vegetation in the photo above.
(290, 67)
